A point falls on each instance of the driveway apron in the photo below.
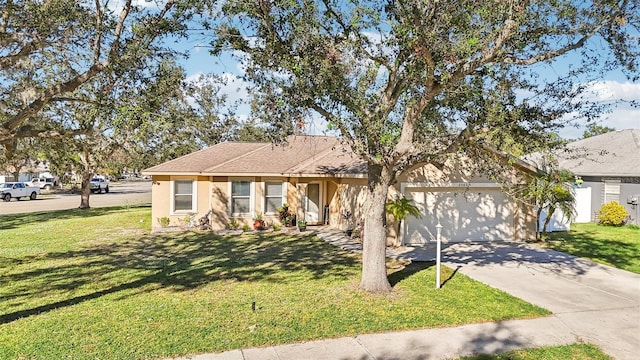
(600, 304)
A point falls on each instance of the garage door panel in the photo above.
(473, 214)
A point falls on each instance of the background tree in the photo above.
(21, 153)
(595, 129)
(158, 104)
(408, 82)
(50, 49)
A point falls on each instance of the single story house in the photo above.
(608, 169)
(322, 180)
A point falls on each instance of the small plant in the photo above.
(302, 225)
(187, 220)
(233, 225)
(276, 227)
(246, 228)
(346, 216)
(612, 214)
(164, 221)
(401, 209)
(285, 216)
(358, 232)
(258, 222)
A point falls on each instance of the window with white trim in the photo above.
(240, 197)
(184, 197)
(611, 191)
(272, 196)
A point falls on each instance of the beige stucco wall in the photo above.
(338, 193)
(161, 199)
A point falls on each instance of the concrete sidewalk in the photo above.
(442, 343)
(591, 303)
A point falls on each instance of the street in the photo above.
(120, 194)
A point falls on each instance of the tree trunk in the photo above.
(374, 267)
(86, 189)
(547, 220)
(538, 213)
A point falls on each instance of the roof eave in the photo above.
(234, 174)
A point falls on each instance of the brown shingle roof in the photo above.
(300, 155)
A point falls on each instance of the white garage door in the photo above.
(466, 214)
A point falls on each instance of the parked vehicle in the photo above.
(46, 183)
(18, 190)
(98, 185)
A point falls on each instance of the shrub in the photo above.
(612, 214)
(246, 228)
(233, 225)
(163, 221)
(285, 216)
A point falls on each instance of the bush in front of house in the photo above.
(612, 214)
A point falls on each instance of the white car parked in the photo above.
(45, 183)
(18, 190)
(98, 185)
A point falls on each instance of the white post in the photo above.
(438, 235)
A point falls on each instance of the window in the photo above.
(272, 197)
(611, 191)
(241, 197)
(183, 196)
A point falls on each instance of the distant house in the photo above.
(33, 170)
(609, 166)
(321, 180)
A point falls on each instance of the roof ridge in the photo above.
(241, 156)
(635, 134)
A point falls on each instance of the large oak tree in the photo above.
(412, 81)
(51, 52)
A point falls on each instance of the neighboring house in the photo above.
(34, 169)
(321, 180)
(609, 166)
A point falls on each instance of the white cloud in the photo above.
(234, 87)
(613, 90)
(622, 115)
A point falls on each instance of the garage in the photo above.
(467, 212)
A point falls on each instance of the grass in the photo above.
(609, 245)
(95, 284)
(563, 352)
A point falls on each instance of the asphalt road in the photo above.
(120, 194)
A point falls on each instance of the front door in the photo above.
(313, 203)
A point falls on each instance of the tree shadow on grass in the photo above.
(177, 262)
(12, 221)
(599, 247)
(408, 271)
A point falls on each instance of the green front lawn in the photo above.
(610, 245)
(562, 352)
(95, 284)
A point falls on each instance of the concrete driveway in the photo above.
(598, 303)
